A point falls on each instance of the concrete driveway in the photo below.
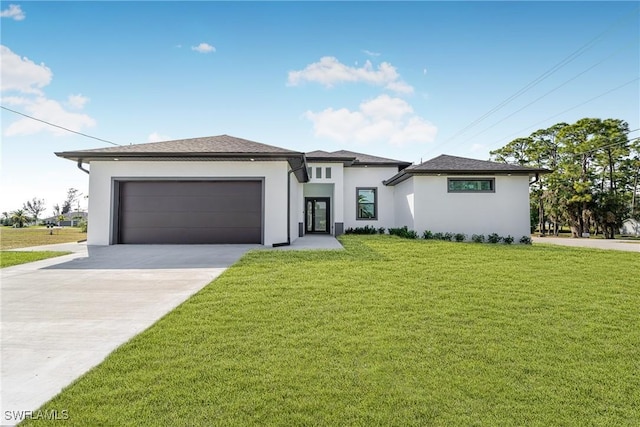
(613, 244)
(62, 316)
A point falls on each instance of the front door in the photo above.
(317, 215)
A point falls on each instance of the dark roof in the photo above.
(351, 158)
(462, 165)
(446, 163)
(221, 144)
(221, 147)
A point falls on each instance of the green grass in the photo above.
(11, 258)
(13, 238)
(388, 332)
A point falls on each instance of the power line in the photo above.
(58, 126)
(549, 92)
(573, 108)
(542, 77)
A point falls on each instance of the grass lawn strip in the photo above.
(13, 238)
(388, 332)
(11, 258)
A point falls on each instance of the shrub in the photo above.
(381, 230)
(447, 237)
(403, 232)
(437, 236)
(367, 229)
(494, 238)
(477, 238)
(460, 237)
(83, 225)
(427, 235)
(525, 240)
(508, 240)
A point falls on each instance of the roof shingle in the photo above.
(209, 145)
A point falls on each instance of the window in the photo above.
(327, 173)
(457, 185)
(318, 173)
(366, 203)
(309, 170)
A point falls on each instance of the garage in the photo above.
(188, 212)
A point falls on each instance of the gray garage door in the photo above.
(190, 212)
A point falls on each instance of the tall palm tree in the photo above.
(19, 218)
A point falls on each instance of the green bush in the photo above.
(494, 238)
(508, 240)
(460, 237)
(477, 238)
(447, 237)
(427, 235)
(403, 232)
(367, 229)
(526, 240)
(381, 230)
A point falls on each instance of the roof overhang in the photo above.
(408, 173)
(297, 161)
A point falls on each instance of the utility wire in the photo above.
(573, 108)
(543, 76)
(58, 126)
(549, 92)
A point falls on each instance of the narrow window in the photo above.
(318, 173)
(480, 185)
(366, 203)
(309, 170)
(327, 173)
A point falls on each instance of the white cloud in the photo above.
(203, 48)
(368, 52)
(50, 111)
(329, 71)
(77, 101)
(382, 119)
(22, 74)
(23, 80)
(13, 12)
(156, 137)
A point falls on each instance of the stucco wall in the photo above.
(404, 204)
(355, 177)
(103, 173)
(505, 211)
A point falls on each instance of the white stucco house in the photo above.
(224, 189)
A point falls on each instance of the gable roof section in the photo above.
(221, 147)
(445, 164)
(351, 158)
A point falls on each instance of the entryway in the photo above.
(317, 215)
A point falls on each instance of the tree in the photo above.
(56, 210)
(34, 206)
(594, 178)
(72, 196)
(19, 218)
(6, 219)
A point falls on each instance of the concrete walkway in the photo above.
(618, 245)
(62, 316)
(312, 242)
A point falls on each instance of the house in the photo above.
(224, 189)
(630, 227)
(70, 219)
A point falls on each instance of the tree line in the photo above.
(32, 209)
(593, 183)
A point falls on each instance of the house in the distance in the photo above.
(224, 189)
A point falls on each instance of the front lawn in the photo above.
(10, 258)
(12, 238)
(388, 332)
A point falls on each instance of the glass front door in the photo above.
(317, 215)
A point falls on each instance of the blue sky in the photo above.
(401, 80)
